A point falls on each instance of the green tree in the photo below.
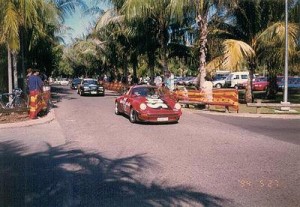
(259, 40)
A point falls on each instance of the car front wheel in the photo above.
(218, 85)
(117, 112)
(132, 116)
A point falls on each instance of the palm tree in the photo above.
(20, 19)
(9, 33)
(159, 12)
(266, 40)
(164, 12)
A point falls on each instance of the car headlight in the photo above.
(177, 106)
(143, 106)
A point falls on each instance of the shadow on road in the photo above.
(72, 177)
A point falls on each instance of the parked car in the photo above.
(219, 82)
(91, 87)
(178, 81)
(63, 82)
(234, 79)
(293, 83)
(75, 82)
(188, 81)
(258, 84)
(220, 74)
(147, 103)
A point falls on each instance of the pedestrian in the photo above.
(158, 80)
(35, 82)
(167, 79)
(207, 89)
(172, 82)
(29, 73)
(105, 78)
(35, 86)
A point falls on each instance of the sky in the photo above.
(80, 23)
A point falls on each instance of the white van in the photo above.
(236, 78)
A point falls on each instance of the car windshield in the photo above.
(76, 81)
(146, 91)
(260, 79)
(219, 78)
(89, 82)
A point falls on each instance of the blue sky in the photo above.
(80, 23)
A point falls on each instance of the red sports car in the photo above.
(148, 104)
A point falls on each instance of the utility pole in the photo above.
(285, 92)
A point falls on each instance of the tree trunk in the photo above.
(15, 69)
(249, 92)
(125, 69)
(163, 43)
(273, 87)
(134, 60)
(202, 22)
(151, 60)
(9, 68)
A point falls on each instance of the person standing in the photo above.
(167, 79)
(172, 82)
(35, 86)
(208, 92)
(158, 80)
(35, 82)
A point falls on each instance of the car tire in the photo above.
(218, 85)
(117, 112)
(132, 116)
(236, 87)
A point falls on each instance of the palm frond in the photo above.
(139, 9)
(215, 64)
(236, 54)
(110, 16)
(275, 34)
(11, 27)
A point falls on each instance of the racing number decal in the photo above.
(124, 103)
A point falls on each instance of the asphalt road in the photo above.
(89, 156)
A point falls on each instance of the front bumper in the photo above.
(94, 92)
(169, 116)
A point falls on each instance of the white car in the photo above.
(234, 79)
(220, 83)
(63, 82)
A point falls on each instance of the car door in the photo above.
(123, 102)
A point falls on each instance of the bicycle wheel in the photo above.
(19, 103)
(2, 105)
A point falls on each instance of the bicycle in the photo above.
(13, 100)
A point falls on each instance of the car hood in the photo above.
(154, 102)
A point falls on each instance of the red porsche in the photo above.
(144, 103)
